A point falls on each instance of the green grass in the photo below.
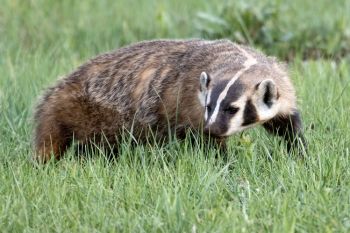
(174, 188)
(283, 28)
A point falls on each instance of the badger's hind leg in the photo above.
(290, 128)
(52, 138)
(53, 121)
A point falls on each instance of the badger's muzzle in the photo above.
(214, 130)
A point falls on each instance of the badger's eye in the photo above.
(231, 110)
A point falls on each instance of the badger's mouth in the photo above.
(215, 136)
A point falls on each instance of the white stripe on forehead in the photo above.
(207, 100)
(247, 64)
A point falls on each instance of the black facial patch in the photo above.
(216, 91)
(220, 126)
(234, 92)
(250, 114)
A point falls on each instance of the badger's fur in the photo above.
(167, 85)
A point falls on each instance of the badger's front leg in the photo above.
(290, 128)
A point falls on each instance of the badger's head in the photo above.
(234, 105)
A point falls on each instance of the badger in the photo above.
(216, 87)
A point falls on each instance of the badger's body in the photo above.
(167, 85)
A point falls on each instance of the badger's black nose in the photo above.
(215, 130)
(212, 130)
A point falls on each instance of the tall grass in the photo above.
(177, 187)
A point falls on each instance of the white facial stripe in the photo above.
(207, 100)
(208, 97)
(247, 64)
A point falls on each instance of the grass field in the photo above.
(174, 188)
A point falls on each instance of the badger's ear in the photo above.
(267, 92)
(204, 82)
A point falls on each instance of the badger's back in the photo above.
(155, 84)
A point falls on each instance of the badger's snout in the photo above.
(214, 130)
